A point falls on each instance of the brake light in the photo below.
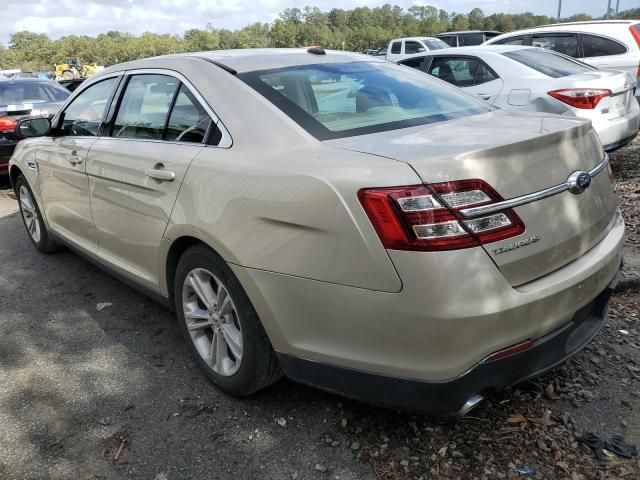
(7, 124)
(587, 98)
(428, 217)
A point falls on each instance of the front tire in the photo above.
(32, 218)
(221, 327)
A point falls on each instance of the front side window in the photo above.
(596, 46)
(566, 44)
(396, 47)
(357, 98)
(518, 40)
(144, 107)
(188, 121)
(413, 47)
(548, 63)
(456, 71)
(85, 113)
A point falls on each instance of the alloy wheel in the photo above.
(30, 214)
(212, 321)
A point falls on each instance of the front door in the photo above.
(136, 172)
(61, 160)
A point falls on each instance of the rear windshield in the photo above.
(346, 99)
(30, 92)
(548, 63)
(434, 43)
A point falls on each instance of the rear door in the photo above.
(159, 126)
(565, 43)
(469, 73)
(60, 159)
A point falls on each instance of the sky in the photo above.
(90, 17)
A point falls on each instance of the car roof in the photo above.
(587, 22)
(251, 59)
(467, 31)
(25, 79)
(491, 49)
(425, 37)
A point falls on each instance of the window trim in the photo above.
(59, 117)
(470, 57)
(226, 140)
(614, 40)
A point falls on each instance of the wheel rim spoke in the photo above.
(233, 338)
(201, 287)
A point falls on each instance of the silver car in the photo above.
(526, 79)
(347, 222)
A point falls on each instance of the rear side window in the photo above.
(518, 40)
(188, 121)
(396, 47)
(145, 107)
(596, 46)
(566, 44)
(461, 72)
(413, 47)
(472, 38)
(417, 63)
(548, 63)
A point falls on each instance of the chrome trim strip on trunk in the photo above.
(530, 197)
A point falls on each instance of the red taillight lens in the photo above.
(7, 124)
(428, 218)
(587, 98)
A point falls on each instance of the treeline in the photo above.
(352, 30)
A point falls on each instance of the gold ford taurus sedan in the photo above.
(350, 223)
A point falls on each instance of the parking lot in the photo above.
(96, 383)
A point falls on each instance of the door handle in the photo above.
(160, 175)
(74, 158)
(484, 96)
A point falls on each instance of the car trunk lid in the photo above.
(517, 156)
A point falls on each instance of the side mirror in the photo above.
(34, 127)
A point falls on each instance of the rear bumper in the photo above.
(617, 132)
(450, 396)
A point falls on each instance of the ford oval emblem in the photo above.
(578, 182)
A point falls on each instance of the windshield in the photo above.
(435, 43)
(346, 99)
(18, 94)
(548, 63)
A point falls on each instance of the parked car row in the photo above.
(21, 98)
(348, 222)
(527, 79)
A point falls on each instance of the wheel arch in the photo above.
(14, 173)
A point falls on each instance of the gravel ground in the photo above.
(113, 394)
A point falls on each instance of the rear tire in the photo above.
(221, 327)
(68, 75)
(32, 218)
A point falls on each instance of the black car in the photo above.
(20, 98)
(467, 37)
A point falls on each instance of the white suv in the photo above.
(608, 44)
(401, 47)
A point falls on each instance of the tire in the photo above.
(32, 218)
(213, 309)
(68, 75)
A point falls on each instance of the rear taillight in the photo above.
(428, 217)
(587, 98)
(7, 124)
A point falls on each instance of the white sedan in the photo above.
(536, 80)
